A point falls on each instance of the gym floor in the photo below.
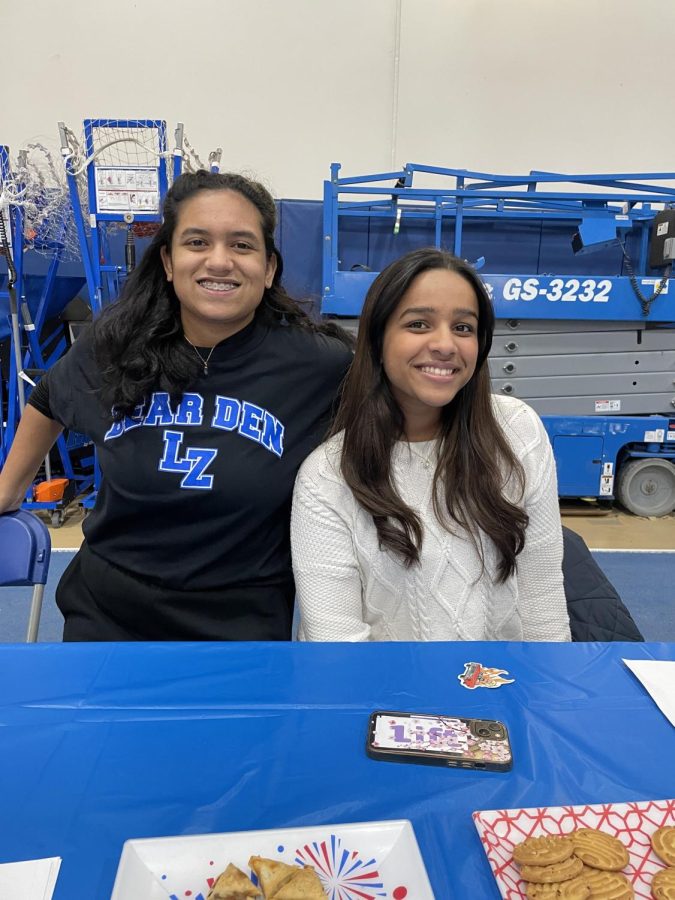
(602, 529)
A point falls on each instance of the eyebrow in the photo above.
(242, 233)
(420, 310)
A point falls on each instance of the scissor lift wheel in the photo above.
(646, 487)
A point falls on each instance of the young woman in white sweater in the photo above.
(431, 513)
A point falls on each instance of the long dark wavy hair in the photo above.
(475, 460)
(138, 339)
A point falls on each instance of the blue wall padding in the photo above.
(299, 238)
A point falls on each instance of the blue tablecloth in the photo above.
(100, 743)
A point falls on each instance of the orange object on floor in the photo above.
(50, 491)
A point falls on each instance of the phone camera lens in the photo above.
(483, 731)
(496, 727)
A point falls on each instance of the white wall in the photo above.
(288, 86)
(510, 85)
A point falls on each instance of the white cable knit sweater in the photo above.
(350, 590)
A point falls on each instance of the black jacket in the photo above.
(593, 604)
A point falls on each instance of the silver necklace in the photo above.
(205, 362)
(425, 460)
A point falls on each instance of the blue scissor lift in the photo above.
(586, 328)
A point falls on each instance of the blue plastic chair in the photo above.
(25, 548)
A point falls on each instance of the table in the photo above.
(100, 743)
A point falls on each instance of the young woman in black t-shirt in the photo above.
(203, 388)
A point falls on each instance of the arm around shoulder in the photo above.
(327, 577)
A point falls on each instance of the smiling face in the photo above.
(218, 265)
(430, 348)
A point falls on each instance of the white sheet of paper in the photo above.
(658, 677)
(34, 879)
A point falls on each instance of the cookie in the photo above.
(663, 844)
(562, 871)
(607, 885)
(574, 889)
(543, 851)
(599, 850)
(663, 884)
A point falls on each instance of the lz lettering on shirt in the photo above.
(194, 463)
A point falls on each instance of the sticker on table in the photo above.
(477, 675)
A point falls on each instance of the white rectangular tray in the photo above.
(363, 861)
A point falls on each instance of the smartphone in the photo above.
(439, 740)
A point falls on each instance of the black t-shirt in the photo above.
(198, 497)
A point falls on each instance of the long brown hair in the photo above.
(475, 460)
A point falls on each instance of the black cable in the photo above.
(7, 252)
(645, 302)
(130, 250)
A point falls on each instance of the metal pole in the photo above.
(13, 308)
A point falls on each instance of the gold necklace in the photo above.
(205, 362)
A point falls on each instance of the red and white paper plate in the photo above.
(632, 823)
